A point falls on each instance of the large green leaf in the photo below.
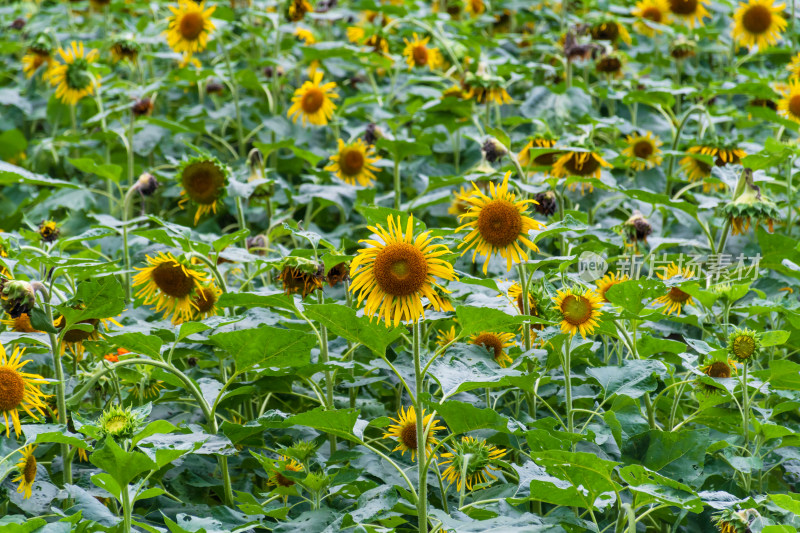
(123, 466)
(464, 417)
(95, 299)
(633, 378)
(344, 322)
(266, 347)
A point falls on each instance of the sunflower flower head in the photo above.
(39, 54)
(285, 464)
(396, 270)
(716, 370)
(485, 88)
(758, 23)
(404, 431)
(638, 228)
(578, 310)
(750, 207)
(300, 276)
(446, 336)
(609, 29)
(48, 231)
(313, 101)
(544, 140)
(27, 468)
(473, 461)
(354, 163)
(690, 12)
(20, 324)
(495, 344)
(418, 54)
(18, 390)
(789, 104)
(204, 180)
(296, 10)
(189, 27)
(730, 521)
(584, 164)
(125, 49)
(498, 223)
(16, 297)
(643, 151)
(120, 422)
(608, 281)
(73, 78)
(675, 299)
(744, 345)
(682, 48)
(170, 284)
(654, 11)
(204, 302)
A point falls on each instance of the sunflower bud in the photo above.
(546, 203)
(119, 422)
(18, 24)
(316, 483)
(493, 150)
(257, 244)
(142, 107)
(48, 231)
(730, 521)
(146, 184)
(743, 345)
(750, 207)
(302, 450)
(255, 162)
(17, 297)
(214, 87)
(638, 228)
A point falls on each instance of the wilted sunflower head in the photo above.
(125, 49)
(48, 231)
(682, 48)
(638, 227)
(300, 277)
(750, 207)
(546, 203)
(338, 274)
(610, 64)
(204, 180)
(744, 345)
(485, 88)
(296, 10)
(472, 460)
(16, 296)
(609, 29)
(730, 521)
(142, 107)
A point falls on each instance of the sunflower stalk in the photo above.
(422, 455)
(235, 94)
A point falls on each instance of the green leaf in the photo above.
(121, 465)
(344, 322)
(289, 144)
(138, 343)
(38, 433)
(266, 347)
(782, 374)
(634, 295)
(104, 170)
(464, 417)
(96, 298)
(265, 298)
(677, 455)
(401, 149)
(651, 486)
(12, 174)
(633, 379)
(337, 420)
(479, 319)
(790, 502)
(774, 337)
(190, 328)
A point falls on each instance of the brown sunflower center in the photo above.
(499, 223)
(283, 481)
(12, 389)
(744, 346)
(408, 435)
(205, 300)
(203, 182)
(652, 13)
(719, 369)
(400, 269)
(351, 162)
(29, 472)
(312, 100)
(586, 168)
(757, 19)
(172, 280)
(23, 324)
(577, 309)
(192, 25)
(643, 149)
(420, 55)
(608, 31)
(491, 342)
(683, 7)
(677, 295)
(794, 105)
(79, 335)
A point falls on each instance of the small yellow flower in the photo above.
(27, 471)
(404, 431)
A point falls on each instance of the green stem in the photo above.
(745, 409)
(422, 457)
(567, 368)
(126, 253)
(325, 358)
(127, 509)
(396, 182)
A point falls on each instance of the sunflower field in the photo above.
(399, 265)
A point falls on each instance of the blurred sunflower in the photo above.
(459, 205)
(730, 521)
(125, 49)
(446, 337)
(651, 10)
(789, 105)
(643, 151)
(758, 23)
(418, 54)
(609, 30)
(723, 154)
(277, 479)
(475, 8)
(397, 271)
(579, 310)
(74, 338)
(608, 281)
(296, 280)
(691, 12)
(146, 389)
(404, 431)
(27, 471)
(750, 207)
(48, 231)
(478, 457)
(204, 180)
(495, 343)
(515, 295)
(794, 66)
(498, 224)
(610, 64)
(72, 78)
(305, 35)
(542, 160)
(675, 299)
(18, 390)
(39, 54)
(20, 324)
(204, 302)
(189, 27)
(717, 370)
(313, 101)
(169, 284)
(296, 10)
(354, 163)
(584, 164)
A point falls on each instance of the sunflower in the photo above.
(204, 302)
(298, 281)
(794, 66)
(498, 223)
(354, 162)
(18, 390)
(146, 389)
(744, 345)
(35, 58)
(204, 180)
(125, 49)
(542, 160)
(730, 521)
(611, 31)
(638, 228)
(419, 55)
(643, 151)
(296, 10)
(789, 105)
(610, 64)
(608, 281)
(496, 343)
(397, 271)
(474, 7)
(579, 164)
(277, 479)
(690, 12)
(758, 23)
(189, 27)
(74, 338)
(305, 35)
(404, 431)
(696, 169)
(48, 231)
(750, 207)
(446, 337)
(20, 324)
(515, 295)
(120, 422)
(723, 154)
(27, 471)
(717, 370)
(170, 285)
(579, 310)
(675, 299)
(477, 456)
(651, 10)
(72, 78)
(313, 101)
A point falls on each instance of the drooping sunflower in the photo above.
(498, 224)
(723, 154)
(277, 479)
(36, 57)
(146, 388)
(446, 337)
(20, 324)
(74, 338)
(609, 30)
(608, 281)
(730, 521)
(296, 10)
(418, 54)
(691, 12)
(475, 8)
(297, 280)
(18, 390)
(789, 105)
(579, 310)
(72, 78)
(758, 23)
(404, 431)
(541, 160)
(752, 206)
(204, 180)
(170, 285)
(397, 271)
(643, 151)
(496, 344)
(204, 302)
(637, 228)
(190, 27)
(125, 50)
(27, 471)
(313, 101)
(744, 345)
(354, 163)
(675, 299)
(480, 461)
(587, 164)
(515, 295)
(610, 64)
(651, 10)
